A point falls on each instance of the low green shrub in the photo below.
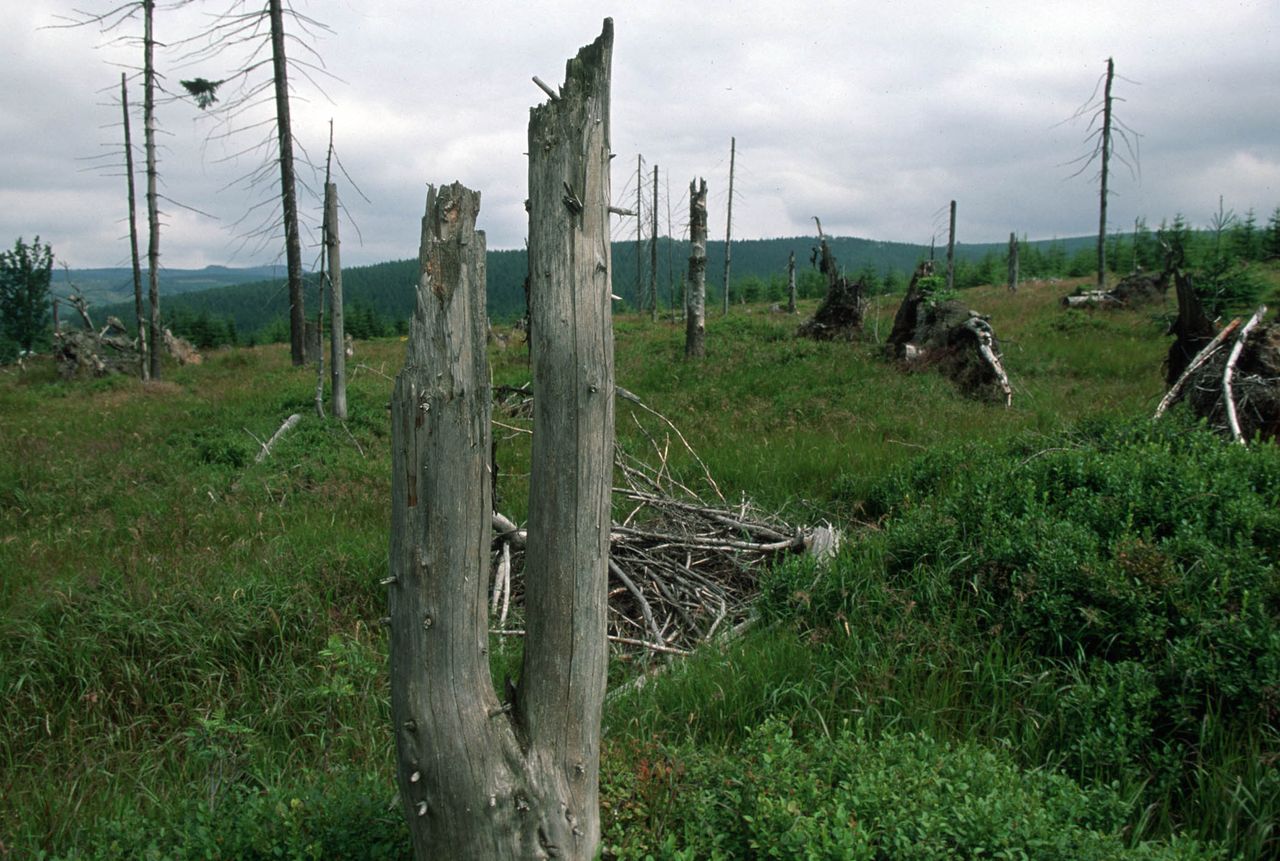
(856, 795)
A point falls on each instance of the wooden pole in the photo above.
(728, 230)
(695, 335)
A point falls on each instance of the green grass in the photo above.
(187, 635)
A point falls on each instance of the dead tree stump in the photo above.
(840, 315)
(950, 336)
(479, 778)
(1192, 329)
(695, 334)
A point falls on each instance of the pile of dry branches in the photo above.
(681, 569)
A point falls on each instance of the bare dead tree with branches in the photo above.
(1104, 128)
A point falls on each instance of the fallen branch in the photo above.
(288, 425)
(1171, 396)
(1232, 419)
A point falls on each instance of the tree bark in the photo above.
(1106, 164)
(288, 187)
(144, 369)
(153, 209)
(695, 335)
(791, 283)
(951, 250)
(653, 253)
(1013, 263)
(337, 344)
(478, 779)
(728, 228)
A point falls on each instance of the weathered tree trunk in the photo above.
(641, 299)
(653, 252)
(144, 370)
(1013, 263)
(728, 228)
(153, 209)
(337, 345)
(288, 187)
(1106, 163)
(479, 779)
(566, 654)
(951, 250)
(695, 333)
(791, 283)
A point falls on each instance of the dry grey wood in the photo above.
(153, 210)
(1013, 263)
(337, 345)
(695, 333)
(1171, 396)
(480, 779)
(289, 424)
(144, 369)
(951, 250)
(653, 252)
(791, 283)
(562, 686)
(288, 185)
(1105, 164)
(1233, 420)
(986, 348)
(728, 227)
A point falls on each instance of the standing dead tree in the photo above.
(144, 368)
(1104, 128)
(695, 333)
(260, 32)
(728, 225)
(1013, 263)
(530, 784)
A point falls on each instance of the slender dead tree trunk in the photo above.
(695, 333)
(1013, 263)
(337, 333)
(653, 252)
(144, 368)
(288, 186)
(951, 250)
(641, 299)
(1102, 186)
(153, 209)
(479, 779)
(791, 283)
(728, 229)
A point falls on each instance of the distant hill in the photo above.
(107, 286)
(255, 299)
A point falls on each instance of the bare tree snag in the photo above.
(841, 313)
(951, 250)
(1105, 143)
(1013, 263)
(695, 333)
(728, 227)
(153, 209)
(1192, 329)
(480, 779)
(653, 252)
(563, 676)
(791, 283)
(144, 369)
(337, 346)
(288, 187)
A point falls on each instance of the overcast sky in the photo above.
(869, 115)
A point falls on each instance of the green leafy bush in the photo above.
(858, 796)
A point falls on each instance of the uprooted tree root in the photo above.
(682, 570)
(1233, 383)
